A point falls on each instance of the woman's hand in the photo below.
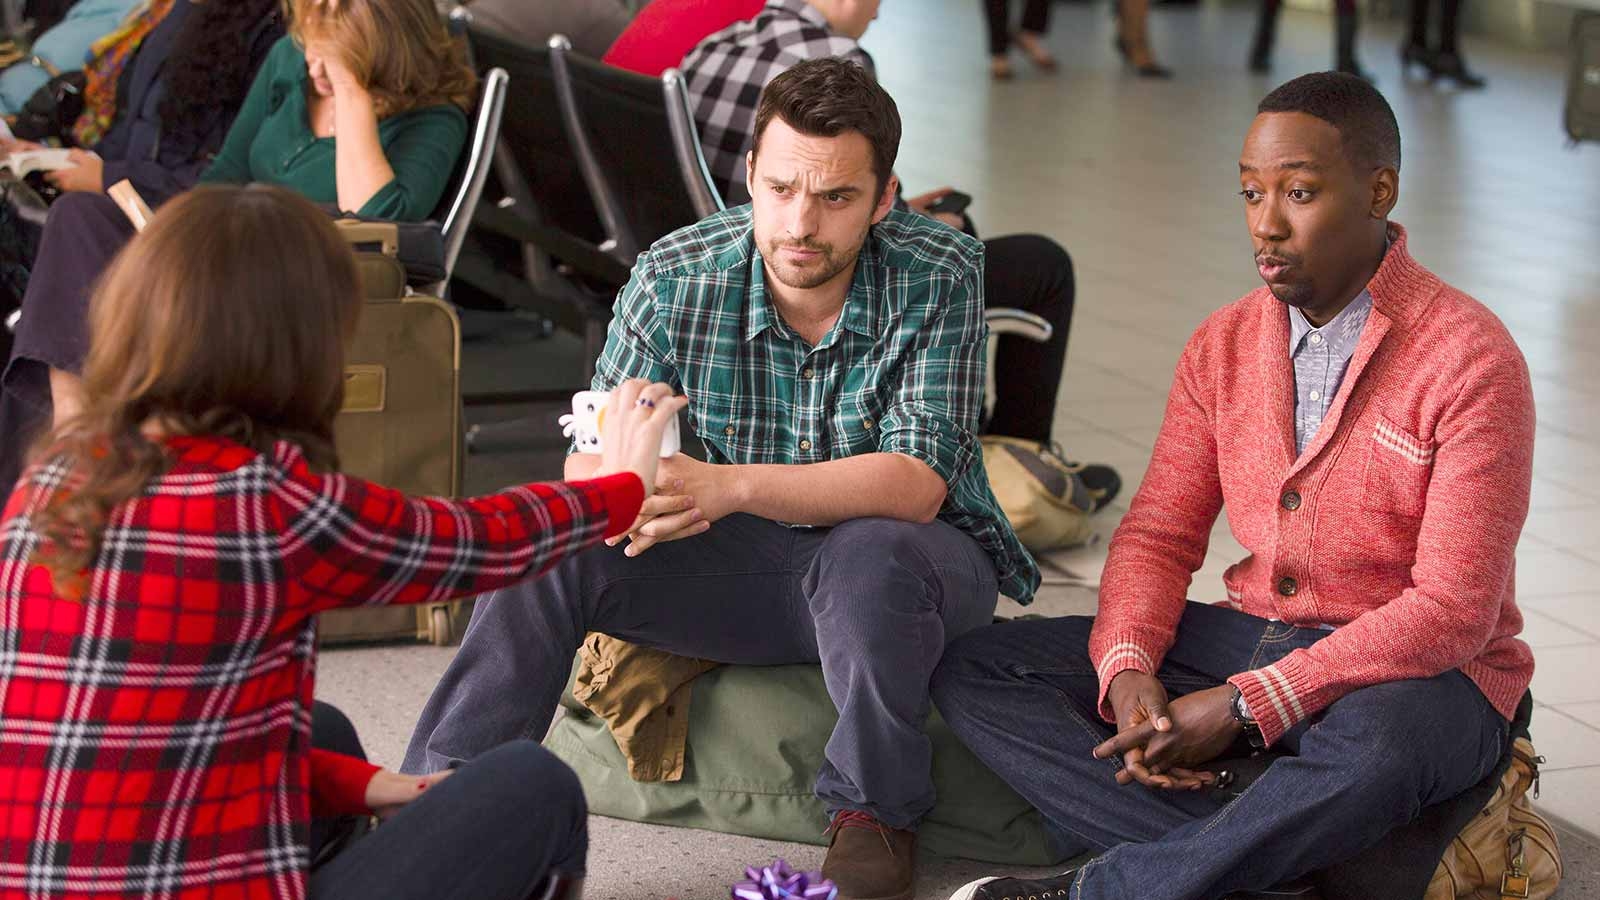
(324, 62)
(18, 146)
(86, 174)
(630, 438)
(388, 791)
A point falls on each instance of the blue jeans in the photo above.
(495, 830)
(873, 600)
(1023, 696)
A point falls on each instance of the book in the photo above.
(131, 204)
(24, 161)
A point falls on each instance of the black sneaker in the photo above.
(1052, 887)
(1101, 480)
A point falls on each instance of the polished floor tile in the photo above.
(1587, 713)
(1571, 794)
(1543, 571)
(1565, 675)
(1564, 740)
(1542, 630)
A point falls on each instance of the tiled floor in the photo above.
(1137, 180)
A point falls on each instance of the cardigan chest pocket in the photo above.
(1399, 467)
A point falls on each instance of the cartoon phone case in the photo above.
(588, 419)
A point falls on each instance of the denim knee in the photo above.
(332, 730)
(524, 775)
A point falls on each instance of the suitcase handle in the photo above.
(386, 235)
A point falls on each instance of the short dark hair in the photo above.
(827, 97)
(1365, 122)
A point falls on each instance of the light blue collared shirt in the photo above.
(1321, 356)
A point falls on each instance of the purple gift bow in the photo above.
(780, 882)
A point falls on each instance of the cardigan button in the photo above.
(1290, 501)
(1287, 587)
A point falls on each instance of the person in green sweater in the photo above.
(362, 105)
(360, 108)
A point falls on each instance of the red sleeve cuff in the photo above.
(1122, 651)
(623, 494)
(339, 784)
(1280, 696)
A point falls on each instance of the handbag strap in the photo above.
(45, 64)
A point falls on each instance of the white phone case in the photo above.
(587, 419)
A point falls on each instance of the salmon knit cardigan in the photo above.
(1397, 526)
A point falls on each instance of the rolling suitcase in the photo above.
(401, 423)
(1583, 87)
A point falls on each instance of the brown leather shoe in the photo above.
(868, 860)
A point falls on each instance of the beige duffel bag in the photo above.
(1507, 851)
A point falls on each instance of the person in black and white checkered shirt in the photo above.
(726, 72)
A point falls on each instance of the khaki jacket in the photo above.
(643, 695)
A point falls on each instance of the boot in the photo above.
(1345, 34)
(1415, 54)
(868, 860)
(1451, 65)
(1266, 31)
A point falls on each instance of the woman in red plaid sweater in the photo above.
(162, 561)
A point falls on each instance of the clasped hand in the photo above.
(690, 495)
(1163, 744)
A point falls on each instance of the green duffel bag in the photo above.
(756, 736)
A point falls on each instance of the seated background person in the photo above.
(1370, 430)
(176, 99)
(1026, 271)
(832, 351)
(63, 45)
(384, 75)
(169, 551)
(664, 32)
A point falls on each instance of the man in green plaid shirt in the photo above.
(833, 354)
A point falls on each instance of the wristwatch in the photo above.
(1247, 722)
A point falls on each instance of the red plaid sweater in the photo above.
(154, 736)
(1398, 524)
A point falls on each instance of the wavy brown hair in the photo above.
(227, 316)
(399, 49)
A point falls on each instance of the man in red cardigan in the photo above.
(1370, 431)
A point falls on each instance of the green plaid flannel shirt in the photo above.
(902, 371)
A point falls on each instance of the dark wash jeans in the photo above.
(875, 601)
(497, 829)
(1023, 696)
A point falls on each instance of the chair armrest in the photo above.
(581, 255)
(1005, 320)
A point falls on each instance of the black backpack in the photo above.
(53, 108)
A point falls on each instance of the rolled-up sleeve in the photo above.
(937, 403)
